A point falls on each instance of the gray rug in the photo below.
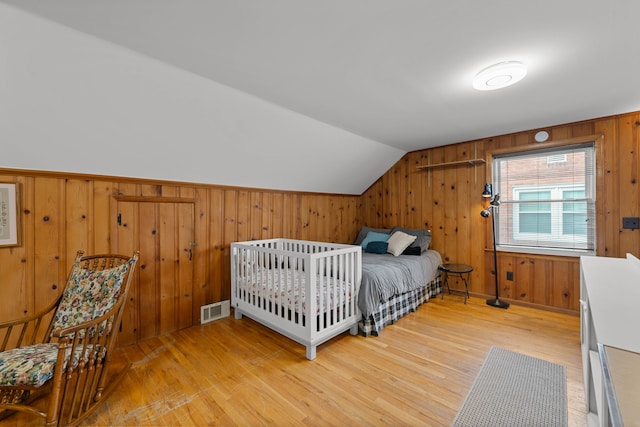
(513, 389)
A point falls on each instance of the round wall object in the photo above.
(542, 136)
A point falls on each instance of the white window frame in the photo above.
(597, 141)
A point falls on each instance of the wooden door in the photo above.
(161, 296)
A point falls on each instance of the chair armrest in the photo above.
(27, 330)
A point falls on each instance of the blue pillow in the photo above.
(373, 236)
(377, 247)
(364, 230)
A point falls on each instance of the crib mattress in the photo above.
(287, 288)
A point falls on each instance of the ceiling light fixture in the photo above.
(499, 75)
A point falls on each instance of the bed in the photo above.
(412, 281)
(395, 284)
(314, 291)
(304, 290)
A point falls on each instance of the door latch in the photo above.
(191, 244)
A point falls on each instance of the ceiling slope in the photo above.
(398, 73)
(73, 103)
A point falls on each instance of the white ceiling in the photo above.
(398, 72)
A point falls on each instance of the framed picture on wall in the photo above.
(9, 215)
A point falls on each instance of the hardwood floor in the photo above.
(417, 372)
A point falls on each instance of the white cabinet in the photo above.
(609, 317)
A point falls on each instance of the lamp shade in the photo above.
(488, 191)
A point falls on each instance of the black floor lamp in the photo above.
(486, 213)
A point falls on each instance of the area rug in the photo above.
(514, 389)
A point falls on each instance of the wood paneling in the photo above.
(64, 213)
(447, 201)
(538, 281)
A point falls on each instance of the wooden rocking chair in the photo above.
(67, 362)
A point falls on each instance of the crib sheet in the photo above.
(290, 292)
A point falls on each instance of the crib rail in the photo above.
(305, 290)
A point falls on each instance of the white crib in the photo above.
(307, 291)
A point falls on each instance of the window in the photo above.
(533, 217)
(534, 220)
(546, 206)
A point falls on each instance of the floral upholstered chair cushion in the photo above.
(33, 365)
(89, 294)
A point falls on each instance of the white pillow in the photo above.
(398, 242)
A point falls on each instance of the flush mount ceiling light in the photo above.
(499, 75)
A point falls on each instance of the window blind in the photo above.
(547, 198)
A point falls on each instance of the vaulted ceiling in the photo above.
(394, 72)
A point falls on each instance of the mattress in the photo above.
(270, 285)
(385, 276)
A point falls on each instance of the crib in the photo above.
(306, 291)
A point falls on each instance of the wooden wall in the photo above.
(448, 201)
(61, 214)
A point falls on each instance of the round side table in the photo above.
(461, 270)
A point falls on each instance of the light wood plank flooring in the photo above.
(417, 372)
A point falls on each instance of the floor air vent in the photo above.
(211, 312)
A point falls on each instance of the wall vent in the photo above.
(211, 312)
